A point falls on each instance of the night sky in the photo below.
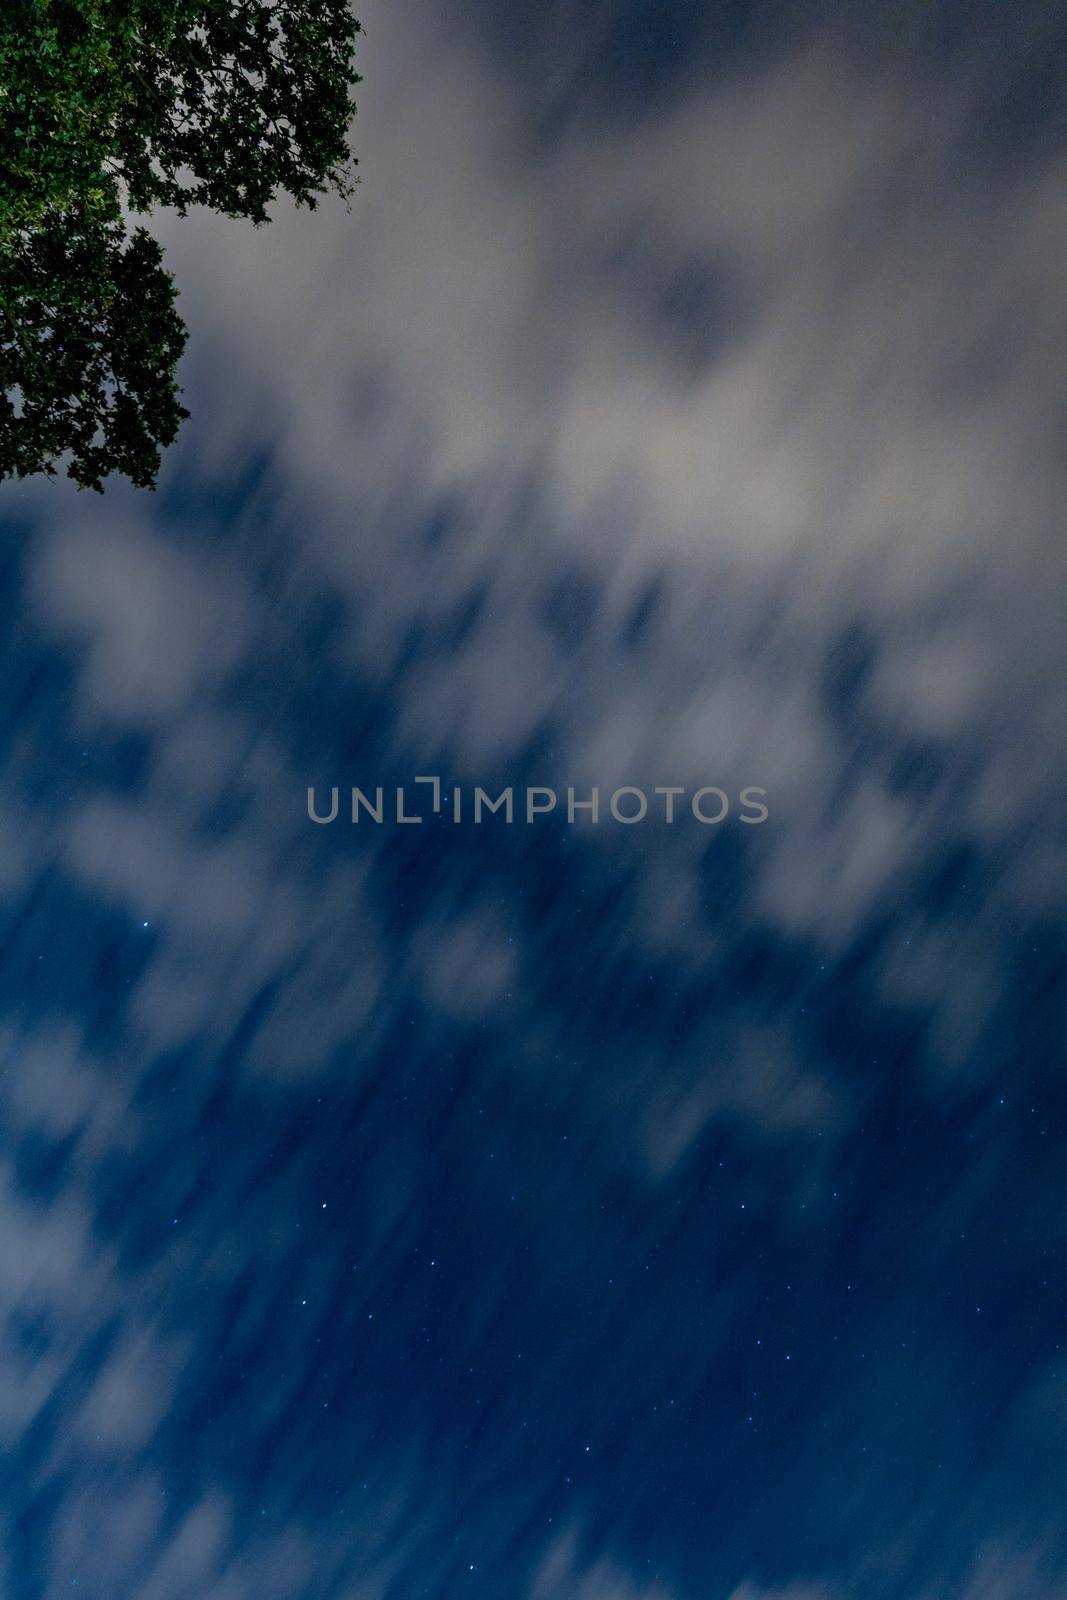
(564, 1211)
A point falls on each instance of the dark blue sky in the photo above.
(550, 1211)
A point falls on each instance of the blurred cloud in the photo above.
(557, 1211)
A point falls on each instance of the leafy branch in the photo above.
(111, 107)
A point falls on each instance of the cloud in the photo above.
(715, 446)
(562, 1573)
(869, 442)
(156, 630)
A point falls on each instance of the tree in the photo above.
(112, 107)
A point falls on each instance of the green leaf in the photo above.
(222, 103)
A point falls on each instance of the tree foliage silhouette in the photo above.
(110, 108)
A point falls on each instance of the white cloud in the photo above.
(870, 440)
(156, 630)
